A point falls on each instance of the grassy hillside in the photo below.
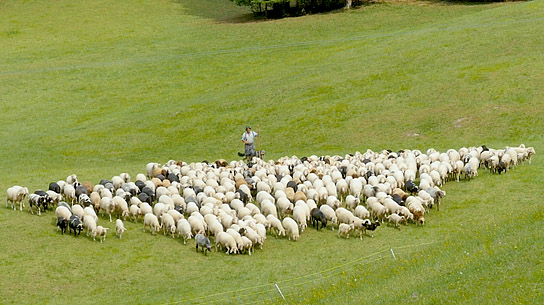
(102, 87)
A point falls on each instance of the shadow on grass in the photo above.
(226, 11)
(221, 11)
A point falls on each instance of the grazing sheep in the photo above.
(225, 240)
(197, 224)
(329, 214)
(299, 215)
(151, 221)
(78, 210)
(203, 242)
(75, 225)
(352, 202)
(63, 212)
(361, 212)
(291, 228)
(318, 217)
(119, 228)
(62, 224)
(247, 245)
(275, 225)
(184, 230)
(344, 216)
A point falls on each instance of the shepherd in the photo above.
(248, 138)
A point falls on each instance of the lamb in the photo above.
(291, 228)
(345, 229)
(16, 194)
(135, 212)
(119, 228)
(101, 233)
(396, 220)
(151, 221)
(184, 230)
(203, 242)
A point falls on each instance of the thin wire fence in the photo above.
(294, 287)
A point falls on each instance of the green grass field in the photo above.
(98, 88)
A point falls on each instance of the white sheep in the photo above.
(119, 228)
(345, 229)
(396, 220)
(90, 225)
(78, 210)
(361, 212)
(197, 224)
(275, 225)
(63, 212)
(107, 205)
(299, 215)
(16, 194)
(89, 211)
(291, 228)
(151, 221)
(329, 214)
(184, 230)
(168, 224)
(352, 202)
(100, 231)
(224, 239)
(344, 216)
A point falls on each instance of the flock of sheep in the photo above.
(237, 204)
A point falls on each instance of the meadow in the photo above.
(97, 88)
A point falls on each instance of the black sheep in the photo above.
(398, 199)
(411, 187)
(292, 184)
(371, 226)
(62, 224)
(53, 186)
(317, 217)
(76, 225)
(243, 196)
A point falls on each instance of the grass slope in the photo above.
(98, 88)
